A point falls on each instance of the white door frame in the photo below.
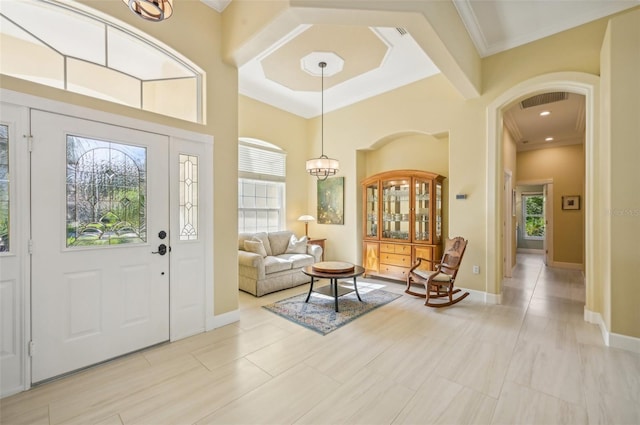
(175, 136)
(548, 215)
(15, 312)
(507, 235)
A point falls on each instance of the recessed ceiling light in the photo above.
(545, 113)
(549, 139)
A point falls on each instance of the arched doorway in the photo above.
(574, 82)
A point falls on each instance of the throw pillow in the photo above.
(256, 247)
(264, 238)
(297, 246)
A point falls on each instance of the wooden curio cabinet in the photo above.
(402, 221)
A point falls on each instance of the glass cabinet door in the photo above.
(438, 216)
(371, 213)
(395, 209)
(422, 199)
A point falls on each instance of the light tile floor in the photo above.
(531, 360)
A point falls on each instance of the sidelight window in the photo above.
(4, 189)
(188, 197)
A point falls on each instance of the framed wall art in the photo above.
(331, 201)
(571, 202)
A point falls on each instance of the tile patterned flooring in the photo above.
(531, 360)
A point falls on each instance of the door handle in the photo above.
(162, 249)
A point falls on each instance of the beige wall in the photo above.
(621, 95)
(409, 152)
(565, 165)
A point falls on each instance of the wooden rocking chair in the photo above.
(439, 282)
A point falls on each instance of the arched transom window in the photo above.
(72, 47)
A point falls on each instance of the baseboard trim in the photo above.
(492, 298)
(614, 340)
(214, 322)
(484, 296)
(571, 266)
(529, 251)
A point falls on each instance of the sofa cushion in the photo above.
(262, 236)
(243, 237)
(297, 246)
(277, 264)
(298, 260)
(256, 247)
(279, 241)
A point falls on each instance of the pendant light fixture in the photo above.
(324, 166)
(151, 10)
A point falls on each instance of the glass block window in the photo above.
(261, 186)
(4, 189)
(188, 197)
(106, 193)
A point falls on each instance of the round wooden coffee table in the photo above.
(333, 270)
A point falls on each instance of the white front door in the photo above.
(13, 186)
(100, 206)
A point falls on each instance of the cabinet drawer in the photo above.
(395, 248)
(395, 259)
(394, 272)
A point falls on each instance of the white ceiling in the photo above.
(403, 62)
(494, 26)
(498, 25)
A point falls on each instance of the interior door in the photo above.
(100, 218)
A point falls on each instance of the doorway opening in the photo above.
(571, 82)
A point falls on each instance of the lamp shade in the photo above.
(306, 219)
(323, 166)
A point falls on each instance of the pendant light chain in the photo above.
(322, 66)
(322, 167)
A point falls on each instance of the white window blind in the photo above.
(261, 161)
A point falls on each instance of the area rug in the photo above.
(319, 313)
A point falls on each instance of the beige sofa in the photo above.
(270, 262)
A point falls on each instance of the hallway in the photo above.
(531, 360)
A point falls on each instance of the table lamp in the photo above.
(306, 219)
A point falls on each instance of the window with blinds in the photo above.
(260, 160)
(261, 187)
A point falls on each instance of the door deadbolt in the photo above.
(162, 234)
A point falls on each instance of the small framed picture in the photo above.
(571, 202)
